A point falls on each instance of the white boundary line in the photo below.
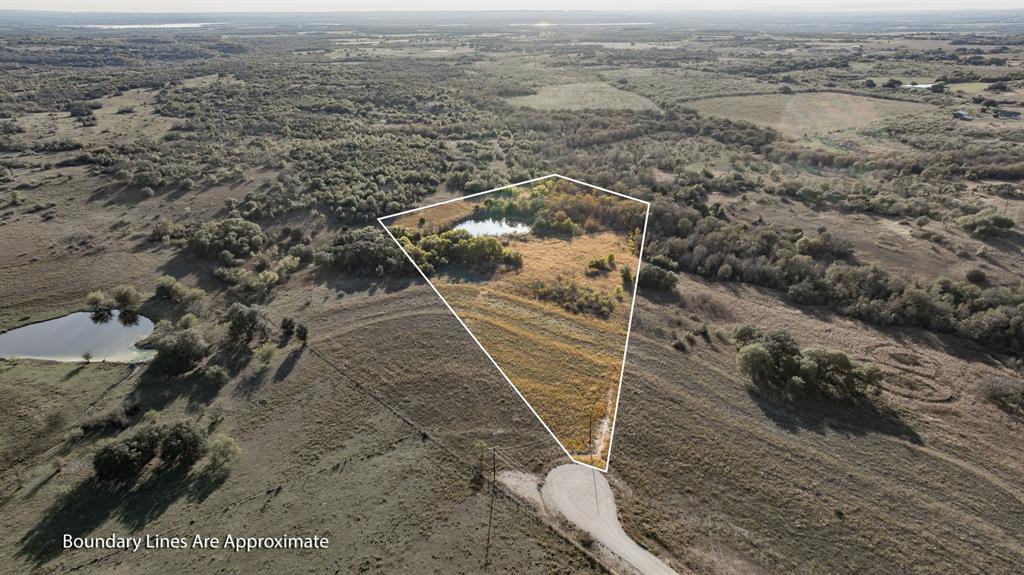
(632, 306)
(629, 330)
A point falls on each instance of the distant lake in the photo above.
(493, 227)
(107, 336)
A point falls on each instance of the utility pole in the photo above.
(490, 513)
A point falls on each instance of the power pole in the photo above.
(490, 513)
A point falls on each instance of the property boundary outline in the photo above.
(629, 324)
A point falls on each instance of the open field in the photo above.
(583, 96)
(798, 115)
(566, 362)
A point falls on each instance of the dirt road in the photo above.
(583, 496)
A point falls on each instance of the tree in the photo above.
(869, 83)
(244, 321)
(182, 444)
(179, 350)
(657, 278)
(222, 450)
(976, 276)
(126, 297)
(87, 356)
(302, 333)
(287, 327)
(121, 461)
(756, 363)
(98, 301)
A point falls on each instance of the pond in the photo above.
(107, 335)
(493, 227)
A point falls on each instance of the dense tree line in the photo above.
(810, 270)
(459, 247)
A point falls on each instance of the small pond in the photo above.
(107, 335)
(493, 227)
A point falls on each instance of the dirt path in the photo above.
(583, 496)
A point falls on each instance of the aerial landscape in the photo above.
(542, 275)
(223, 238)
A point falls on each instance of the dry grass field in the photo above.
(565, 364)
(582, 96)
(728, 481)
(798, 115)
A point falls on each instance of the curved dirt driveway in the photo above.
(571, 490)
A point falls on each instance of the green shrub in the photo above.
(178, 350)
(773, 361)
(244, 322)
(99, 301)
(575, 298)
(182, 444)
(976, 276)
(236, 237)
(364, 251)
(170, 289)
(126, 297)
(985, 224)
(222, 451)
(657, 278)
(121, 461)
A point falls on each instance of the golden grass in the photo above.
(810, 113)
(436, 219)
(583, 96)
(566, 365)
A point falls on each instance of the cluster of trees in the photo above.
(560, 207)
(431, 252)
(256, 284)
(172, 290)
(986, 224)
(774, 362)
(761, 254)
(811, 272)
(180, 347)
(122, 297)
(179, 444)
(575, 298)
(655, 277)
(364, 251)
(229, 239)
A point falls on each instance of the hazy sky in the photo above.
(349, 5)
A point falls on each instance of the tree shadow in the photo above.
(78, 369)
(347, 283)
(205, 483)
(288, 364)
(91, 503)
(77, 513)
(856, 418)
(253, 382)
(153, 496)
